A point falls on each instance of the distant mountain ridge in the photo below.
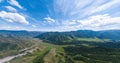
(61, 37)
(20, 33)
(108, 34)
(105, 34)
(72, 47)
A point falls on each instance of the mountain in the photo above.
(82, 46)
(109, 34)
(20, 33)
(11, 44)
(62, 37)
(105, 34)
(65, 37)
(54, 37)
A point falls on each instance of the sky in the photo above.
(59, 15)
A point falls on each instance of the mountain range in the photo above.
(82, 46)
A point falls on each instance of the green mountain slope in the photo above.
(72, 54)
(64, 47)
(10, 44)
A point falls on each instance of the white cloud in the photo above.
(7, 27)
(34, 26)
(10, 8)
(105, 6)
(77, 9)
(69, 22)
(74, 13)
(97, 22)
(69, 7)
(50, 20)
(100, 22)
(13, 17)
(15, 3)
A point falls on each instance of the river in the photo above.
(9, 58)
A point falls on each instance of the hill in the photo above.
(81, 35)
(10, 44)
(20, 33)
(82, 46)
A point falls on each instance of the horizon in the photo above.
(58, 31)
(59, 15)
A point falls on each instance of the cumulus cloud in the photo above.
(69, 15)
(100, 22)
(15, 3)
(97, 22)
(10, 8)
(13, 17)
(49, 19)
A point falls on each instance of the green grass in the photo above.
(46, 54)
(87, 40)
(30, 58)
(93, 39)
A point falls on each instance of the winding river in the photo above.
(9, 58)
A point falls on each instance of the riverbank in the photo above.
(9, 58)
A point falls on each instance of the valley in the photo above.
(59, 31)
(60, 47)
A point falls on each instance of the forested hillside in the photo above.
(80, 36)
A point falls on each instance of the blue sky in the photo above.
(59, 15)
